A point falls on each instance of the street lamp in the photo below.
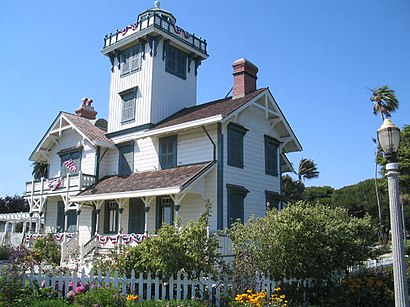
(389, 139)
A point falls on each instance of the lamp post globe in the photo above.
(389, 139)
(388, 136)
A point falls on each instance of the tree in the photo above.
(359, 199)
(384, 100)
(322, 195)
(403, 158)
(292, 190)
(10, 204)
(40, 169)
(303, 240)
(307, 170)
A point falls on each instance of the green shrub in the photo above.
(45, 249)
(5, 252)
(188, 248)
(11, 287)
(102, 296)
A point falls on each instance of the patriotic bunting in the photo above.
(55, 183)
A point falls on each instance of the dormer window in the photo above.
(130, 60)
(175, 62)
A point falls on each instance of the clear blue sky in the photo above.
(318, 57)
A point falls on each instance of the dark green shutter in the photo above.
(60, 217)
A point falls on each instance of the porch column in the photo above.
(31, 222)
(65, 220)
(146, 208)
(39, 221)
(77, 227)
(120, 210)
(97, 218)
(177, 207)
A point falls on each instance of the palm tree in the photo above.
(40, 169)
(307, 170)
(384, 100)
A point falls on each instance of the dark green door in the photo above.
(136, 220)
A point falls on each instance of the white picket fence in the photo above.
(148, 286)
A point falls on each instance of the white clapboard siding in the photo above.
(194, 146)
(51, 214)
(88, 159)
(109, 162)
(142, 80)
(170, 93)
(252, 176)
(84, 228)
(145, 154)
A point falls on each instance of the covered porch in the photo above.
(122, 210)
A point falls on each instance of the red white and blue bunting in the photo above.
(55, 183)
(125, 238)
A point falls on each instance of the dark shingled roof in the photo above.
(180, 176)
(222, 107)
(87, 128)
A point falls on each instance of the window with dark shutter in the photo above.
(130, 60)
(271, 156)
(168, 152)
(128, 106)
(125, 159)
(236, 135)
(176, 62)
(236, 199)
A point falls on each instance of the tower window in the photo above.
(128, 106)
(130, 60)
(175, 62)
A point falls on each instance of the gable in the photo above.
(82, 127)
(270, 115)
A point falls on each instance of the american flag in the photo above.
(69, 164)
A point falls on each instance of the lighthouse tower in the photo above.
(154, 67)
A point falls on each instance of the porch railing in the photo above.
(69, 249)
(71, 182)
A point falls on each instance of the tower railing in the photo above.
(156, 21)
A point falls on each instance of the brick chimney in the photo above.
(85, 109)
(244, 76)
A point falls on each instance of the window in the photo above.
(235, 145)
(165, 211)
(130, 60)
(272, 200)
(271, 156)
(175, 62)
(111, 217)
(71, 219)
(168, 152)
(125, 159)
(128, 106)
(236, 198)
(136, 220)
(73, 155)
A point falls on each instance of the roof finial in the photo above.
(157, 4)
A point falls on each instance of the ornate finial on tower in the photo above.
(157, 4)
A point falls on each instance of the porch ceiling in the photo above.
(148, 183)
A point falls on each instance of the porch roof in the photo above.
(147, 183)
